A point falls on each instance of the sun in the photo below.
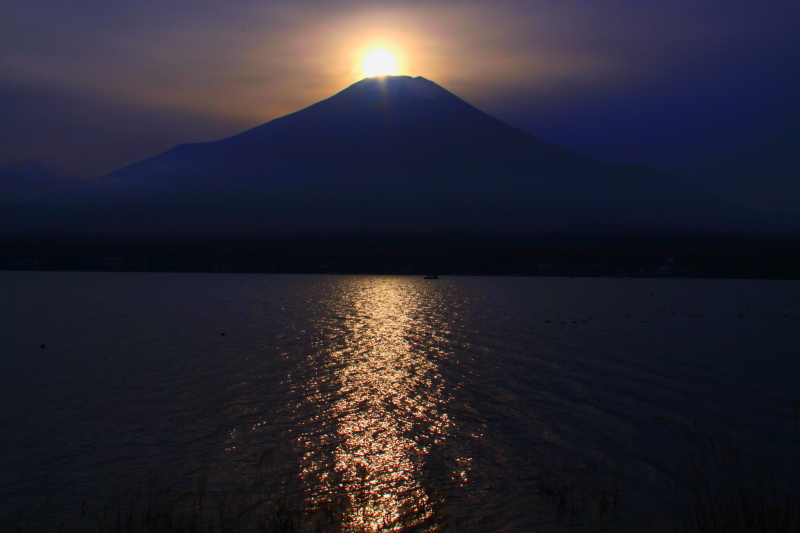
(380, 63)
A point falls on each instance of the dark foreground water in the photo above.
(395, 396)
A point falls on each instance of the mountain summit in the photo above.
(380, 131)
(397, 153)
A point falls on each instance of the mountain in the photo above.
(401, 153)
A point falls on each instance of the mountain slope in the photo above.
(402, 153)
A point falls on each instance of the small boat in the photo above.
(431, 276)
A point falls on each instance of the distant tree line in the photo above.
(418, 253)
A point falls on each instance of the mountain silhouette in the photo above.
(401, 153)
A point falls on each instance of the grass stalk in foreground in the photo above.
(725, 490)
(720, 488)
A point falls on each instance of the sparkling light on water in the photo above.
(387, 412)
(389, 400)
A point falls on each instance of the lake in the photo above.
(395, 397)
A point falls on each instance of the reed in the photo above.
(151, 508)
(588, 494)
(721, 486)
(725, 486)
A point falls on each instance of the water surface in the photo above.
(395, 397)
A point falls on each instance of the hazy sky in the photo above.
(708, 89)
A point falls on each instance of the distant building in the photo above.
(554, 267)
(122, 263)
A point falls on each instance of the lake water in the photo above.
(397, 396)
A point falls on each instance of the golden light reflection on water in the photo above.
(384, 401)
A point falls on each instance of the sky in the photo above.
(703, 88)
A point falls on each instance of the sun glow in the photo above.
(380, 63)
